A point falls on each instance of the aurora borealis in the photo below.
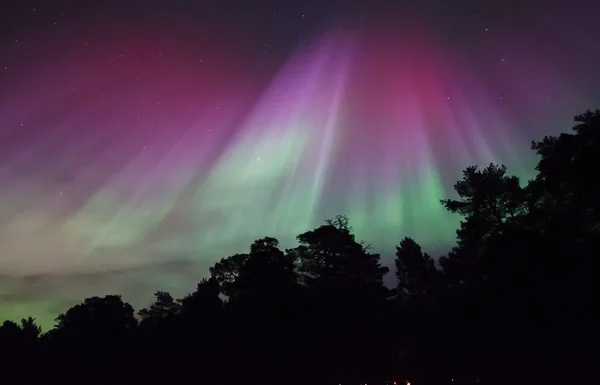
(142, 141)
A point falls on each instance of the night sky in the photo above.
(141, 141)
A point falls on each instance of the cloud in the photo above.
(46, 295)
(53, 256)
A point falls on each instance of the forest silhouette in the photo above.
(511, 302)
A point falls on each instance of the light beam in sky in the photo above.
(133, 167)
(271, 178)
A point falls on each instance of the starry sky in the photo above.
(141, 141)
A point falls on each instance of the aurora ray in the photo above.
(133, 159)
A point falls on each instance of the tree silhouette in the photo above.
(262, 290)
(488, 194)
(30, 330)
(10, 333)
(329, 256)
(16, 342)
(164, 306)
(415, 270)
(204, 301)
(226, 272)
(100, 329)
(564, 195)
(98, 319)
(565, 212)
(345, 288)
(490, 202)
(257, 273)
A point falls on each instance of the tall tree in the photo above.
(264, 272)
(31, 331)
(490, 202)
(566, 214)
(347, 300)
(268, 269)
(415, 270)
(262, 290)
(164, 306)
(330, 256)
(488, 196)
(205, 302)
(17, 350)
(226, 272)
(566, 189)
(98, 318)
(10, 333)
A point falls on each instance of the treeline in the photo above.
(513, 301)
